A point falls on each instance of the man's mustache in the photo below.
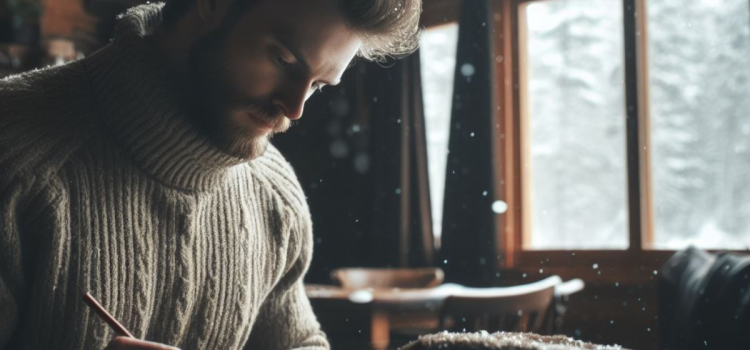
(271, 115)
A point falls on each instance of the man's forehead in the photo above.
(317, 35)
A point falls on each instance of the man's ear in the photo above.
(212, 12)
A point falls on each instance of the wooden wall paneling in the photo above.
(69, 20)
(439, 12)
(507, 134)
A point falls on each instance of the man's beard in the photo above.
(214, 98)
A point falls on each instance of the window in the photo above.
(634, 130)
(574, 125)
(438, 61)
(699, 112)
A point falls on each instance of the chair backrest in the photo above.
(358, 278)
(519, 308)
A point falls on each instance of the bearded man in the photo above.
(143, 174)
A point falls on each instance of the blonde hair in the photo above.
(389, 28)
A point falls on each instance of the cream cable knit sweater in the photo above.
(106, 187)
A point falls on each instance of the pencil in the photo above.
(99, 310)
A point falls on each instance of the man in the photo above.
(143, 175)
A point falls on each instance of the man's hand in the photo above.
(125, 343)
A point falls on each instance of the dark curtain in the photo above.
(330, 150)
(359, 152)
(468, 254)
(402, 229)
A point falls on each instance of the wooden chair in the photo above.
(360, 278)
(519, 308)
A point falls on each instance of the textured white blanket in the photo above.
(501, 341)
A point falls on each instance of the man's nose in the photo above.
(291, 101)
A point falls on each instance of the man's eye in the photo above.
(281, 60)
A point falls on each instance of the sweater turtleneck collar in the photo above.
(143, 110)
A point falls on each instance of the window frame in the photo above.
(511, 150)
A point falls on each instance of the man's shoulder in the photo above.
(44, 117)
(41, 82)
(278, 175)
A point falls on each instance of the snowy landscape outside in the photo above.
(699, 65)
(576, 125)
(438, 61)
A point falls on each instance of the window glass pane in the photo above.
(699, 89)
(574, 125)
(438, 60)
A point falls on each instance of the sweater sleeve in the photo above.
(286, 320)
(11, 273)
(8, 292)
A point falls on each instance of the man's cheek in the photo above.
(255, 81)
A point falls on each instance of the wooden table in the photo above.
(387, 308)
(399, 307)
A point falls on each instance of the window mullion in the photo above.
(632, 122)
(644, 125)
